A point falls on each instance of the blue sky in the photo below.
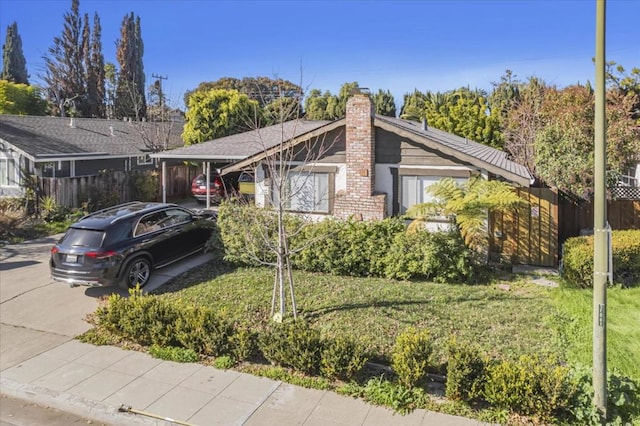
(394, 45)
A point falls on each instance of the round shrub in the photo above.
(292, 344)
(577, 259)
(410, 356)
(465, 371)
(343, 358)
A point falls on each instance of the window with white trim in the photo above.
(307, 192)
(414, 189)
(8, 170)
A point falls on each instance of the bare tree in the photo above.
(285, 175)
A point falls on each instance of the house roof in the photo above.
(492, 159)
(44, 138)
(482, 156)
(243, 145)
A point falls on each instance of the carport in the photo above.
(208, 163)
(218, 153)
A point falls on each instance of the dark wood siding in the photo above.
(394, 149)
(331, 145)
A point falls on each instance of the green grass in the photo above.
(623, 327)
(504, 323)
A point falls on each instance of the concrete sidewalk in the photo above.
(95, 381)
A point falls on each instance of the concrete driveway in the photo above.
(37, 313)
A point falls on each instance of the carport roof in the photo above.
(242, 145)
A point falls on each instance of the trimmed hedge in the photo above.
(577, 259)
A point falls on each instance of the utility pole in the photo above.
(161, 93)
(600, 228)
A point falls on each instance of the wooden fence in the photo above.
(577, 217)
(118, 187)
(529, 235)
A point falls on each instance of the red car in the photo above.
(219, 187)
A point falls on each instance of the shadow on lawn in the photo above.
(317, 313)
(196, 276)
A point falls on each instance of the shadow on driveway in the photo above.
(7, 266)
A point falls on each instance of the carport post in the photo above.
(208, 184)
(164, 181)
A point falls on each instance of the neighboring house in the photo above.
(64, 147)
(370, 167)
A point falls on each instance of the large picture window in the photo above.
(414, 189)
(306, 192)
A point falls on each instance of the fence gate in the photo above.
(528, 236)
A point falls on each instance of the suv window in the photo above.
(175, 216)
(82, 238)
(150, 223)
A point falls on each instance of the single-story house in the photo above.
(369, 167)
(67, 147)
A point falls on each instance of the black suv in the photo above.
(123, 244)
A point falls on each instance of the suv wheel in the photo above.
(138, 271)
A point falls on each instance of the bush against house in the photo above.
(345, 247)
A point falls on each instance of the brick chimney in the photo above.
(360, 137)
(359, 200)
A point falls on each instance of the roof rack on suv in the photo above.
(119, 206)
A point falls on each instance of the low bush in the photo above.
(465, 371)
(342, 358)
(292, 344)
(438, 256)
(202, 330)
(530, 386)
(577, 259)
(243, 343)
(410, 356)
(149, 320)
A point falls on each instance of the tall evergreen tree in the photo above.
(130, 95)
(385, 103)
(94, 69)
(14, 65)
(64, 66)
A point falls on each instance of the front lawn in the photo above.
(623, 327)
(504, 322)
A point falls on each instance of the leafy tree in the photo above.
(469, 204)
(64, 66)
(130, 98)
(21, 99)
(315, 106)
(94, 69)
(413, 106)
(346, 90)
(465, 113)
(328, 106)
(565, 145)
(523, 121)
(385, 103)
(217, 113)
(264, 90)
(14, 65)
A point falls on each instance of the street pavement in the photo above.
(41, 363)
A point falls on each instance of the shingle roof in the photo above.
(42, 136)
(490, 156)
(243, 145)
